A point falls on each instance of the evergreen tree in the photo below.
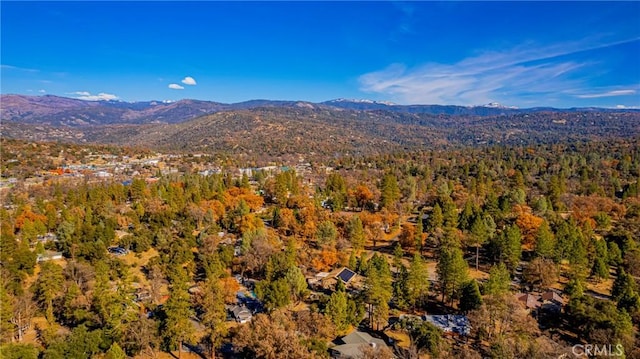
(336, 190)
(274, 294)
(177, 327)
(419, 233)
(614, 254)
(625, 292)
(336, 309)
(417, 282)
(326, 233)
(545, 242)
(467, 216)
(479, 235)
(600, 269)
(353, 260)
(398, 253)
(470, 298)
(499, 280)
(48, 286)
(507, 247)
(297, 282)
(214, 314)
(6, 313)
(452, 271)
(449, 213)
(390, 192)
(436, 219)
(355, 233)
(400, 288)
(379, 289)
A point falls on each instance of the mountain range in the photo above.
(263, 130)
(62, 111)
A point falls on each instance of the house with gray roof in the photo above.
(351, 345)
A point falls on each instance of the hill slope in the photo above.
(316, 132)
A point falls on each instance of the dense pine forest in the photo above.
(534, 249)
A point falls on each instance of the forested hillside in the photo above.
(113, 252)
(288, 132)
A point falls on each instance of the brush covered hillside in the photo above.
(284, 130)
(62, 111)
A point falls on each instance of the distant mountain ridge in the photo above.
(62, 111)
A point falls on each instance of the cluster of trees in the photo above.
(544, 214)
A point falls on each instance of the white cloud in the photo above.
(42, 91)
(516, 75)
(623, 107)
(189, 81)
(608, 94)
(16, 68)
(176, 87)
(87, 96)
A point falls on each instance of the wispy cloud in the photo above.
(608, 94)
(623, 107)
(42, 91)
(521, 73)
(16, 68)
(189, 81)
(87, 96)
(176, 87)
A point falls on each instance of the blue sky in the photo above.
(525, 54)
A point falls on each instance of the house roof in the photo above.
(353, 342)
(450, 323)
(552, 297)
(358, 337)
(346, 274)
(240, 311)
(353, 351)
(529, 300)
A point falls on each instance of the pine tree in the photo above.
(417, 282)
(470, 298)
(600, 269)
(355, 233)
(419, 233)
(379, 289)
(436, 218)
(545, 242)
(400, 288)
(177, 327)
(48, 286)
(449, 213)
(297, 282)
(214, 314)
(499, 280)
(452, 271)
(6, 313)
(467, 216)
(390, 192)
(337, 310)
(479, 235)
